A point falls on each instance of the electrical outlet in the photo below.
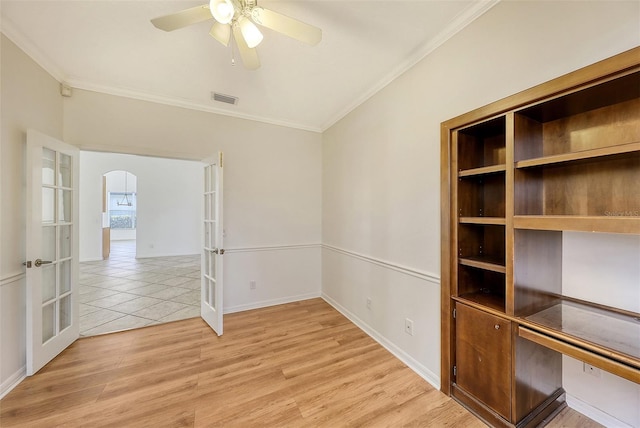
(252, 285)
(593, 371)
(408, 326)
(368, 302)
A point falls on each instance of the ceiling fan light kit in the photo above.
(222, 10)
(239, 17)
(250, 32)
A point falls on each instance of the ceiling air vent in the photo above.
(224, 98)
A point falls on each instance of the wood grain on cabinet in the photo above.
(516, 174)
(483, 350)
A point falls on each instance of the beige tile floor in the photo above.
(123, 292)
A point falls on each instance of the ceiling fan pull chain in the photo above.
(233, 52)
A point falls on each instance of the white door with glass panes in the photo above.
(212, 251)
(51, 248)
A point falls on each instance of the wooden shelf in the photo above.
(607, 333)
(485, 263)
(485, 170)
(606, 224)
(580, 156)
(480, 299)
(614, 91)
(482, 220)
(564, 156)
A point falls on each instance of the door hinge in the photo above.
(454, 313)
(455, 371)
(220, 160)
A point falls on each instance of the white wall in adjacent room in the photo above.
(168, 197)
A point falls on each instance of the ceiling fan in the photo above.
(238, 17)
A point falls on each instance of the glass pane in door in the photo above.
(65, 312)
(65, 276)
(206, 290)
(65, 242)
(212, 293)
(64, 206)
(207, 179)
(64, 171)
(48, 205)
(48, 321)
(48, 167)
(48, 282)
(48, 242)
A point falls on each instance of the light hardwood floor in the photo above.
(296, 365)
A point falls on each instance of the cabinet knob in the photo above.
(497, 326)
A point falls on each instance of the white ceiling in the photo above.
(110, 46)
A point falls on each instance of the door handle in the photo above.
(40, 262)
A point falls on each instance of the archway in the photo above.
(119, 219)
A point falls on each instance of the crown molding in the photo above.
(50, 66)
(463, 19)
(11, 32)
(182, 103)
(458, 23)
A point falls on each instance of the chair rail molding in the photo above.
(426, 276)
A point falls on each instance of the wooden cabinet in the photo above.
(516, 174)
(483, 351)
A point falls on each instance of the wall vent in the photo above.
(229, 99)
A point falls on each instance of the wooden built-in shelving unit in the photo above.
(562, 156)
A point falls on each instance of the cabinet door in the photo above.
(483, 357)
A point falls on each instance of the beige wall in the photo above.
(378, 176)
(272, 181)
(272, 186)
(272, 173)
(30, 99)
(381, 167)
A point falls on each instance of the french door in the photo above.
(212, 247)
(51, 248)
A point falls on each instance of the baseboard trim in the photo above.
(271, 302)
(13, 381)
(426, 276)
(96, 259)
(595, 413)
(411, 362)
(145, 256)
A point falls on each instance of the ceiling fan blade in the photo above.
(221, 32)
(183, 18)
(249, 56)
(288, 26)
